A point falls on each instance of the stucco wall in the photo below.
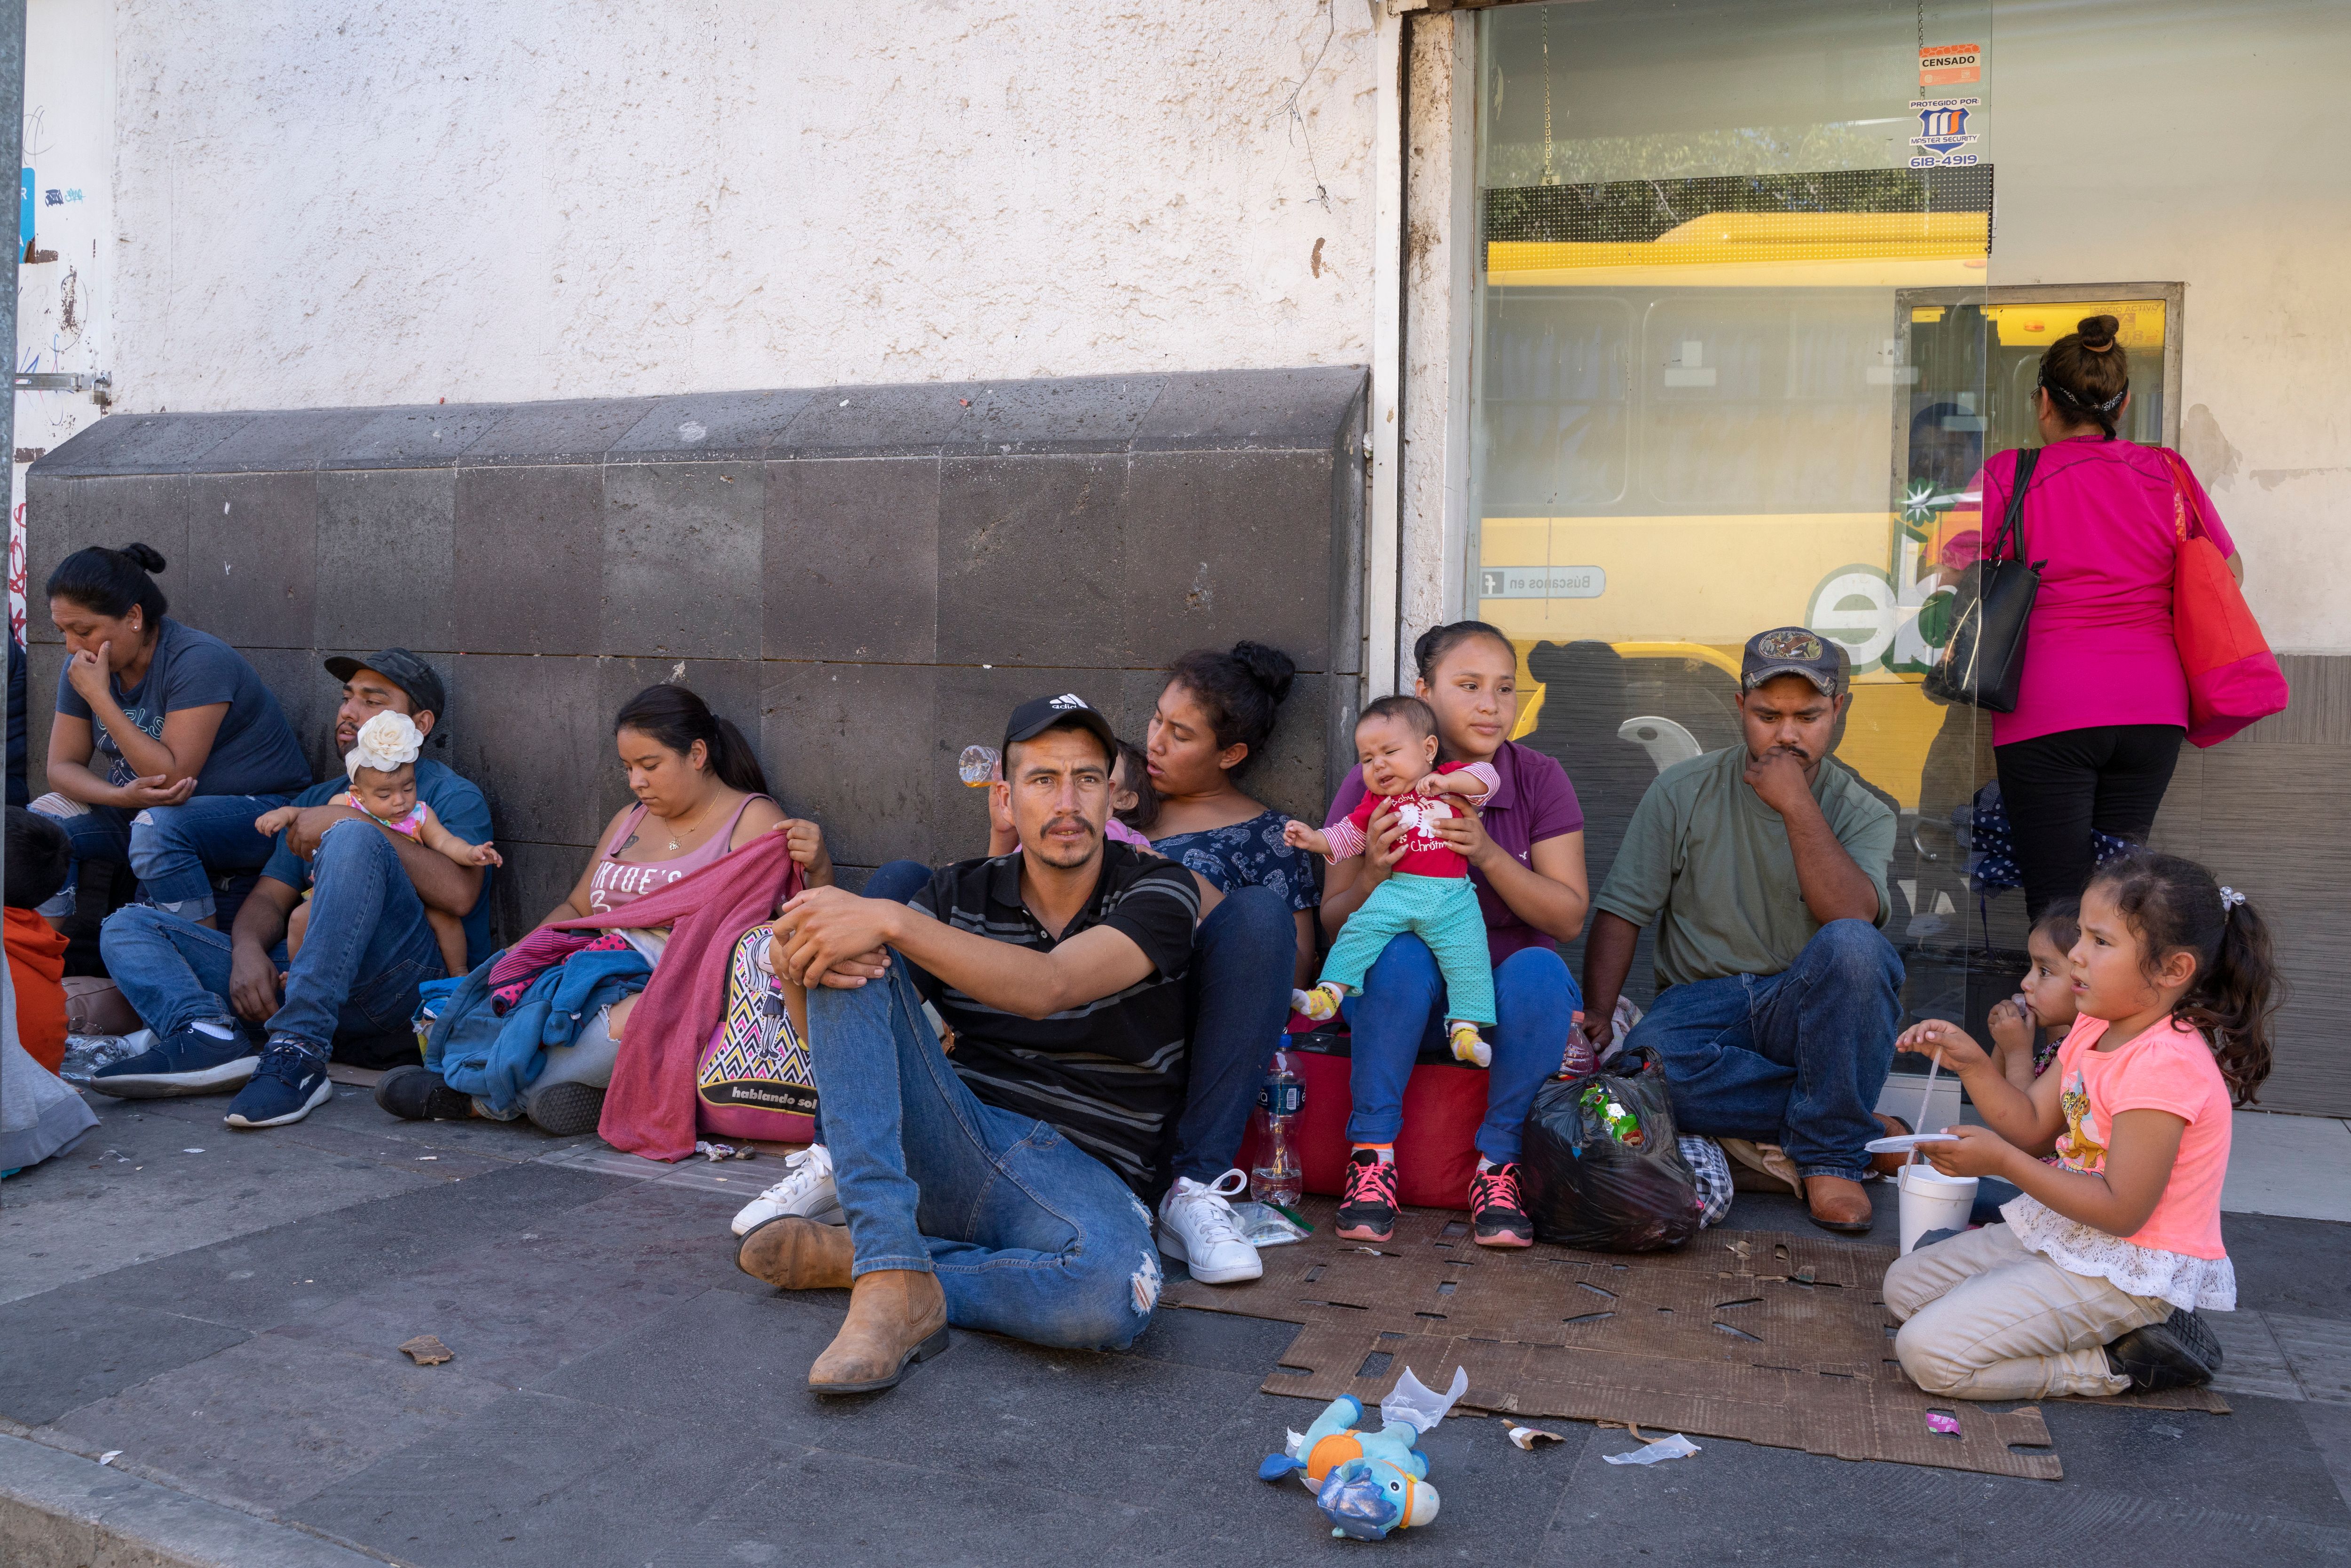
(2211, 154)
(515, 199)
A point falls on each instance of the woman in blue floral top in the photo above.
(1210, 723)
(1212, 720)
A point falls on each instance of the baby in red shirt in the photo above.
(1429, 893)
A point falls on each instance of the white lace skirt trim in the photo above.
(2174, 1277)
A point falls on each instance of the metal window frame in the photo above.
(2174, 304)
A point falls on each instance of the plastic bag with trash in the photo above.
(1599, 1164)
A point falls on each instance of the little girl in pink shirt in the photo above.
(2093, 1285)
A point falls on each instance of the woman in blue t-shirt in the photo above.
(166, 744)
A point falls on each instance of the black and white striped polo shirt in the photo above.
(1110, 1075)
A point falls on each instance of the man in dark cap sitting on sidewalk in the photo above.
(999, 1188)
(207, 994)
(1764, 866)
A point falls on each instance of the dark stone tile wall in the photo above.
(864, 579)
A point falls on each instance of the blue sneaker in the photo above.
(185, 1061)
(290, 1083)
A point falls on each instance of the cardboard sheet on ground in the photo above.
(1766, 1336)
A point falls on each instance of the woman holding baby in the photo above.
(1523, 843)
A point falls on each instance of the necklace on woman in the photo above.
(698, 823)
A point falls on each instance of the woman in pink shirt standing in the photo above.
(2104, 702)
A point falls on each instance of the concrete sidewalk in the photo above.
(222, 1310)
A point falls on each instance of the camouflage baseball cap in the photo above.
(1793, 651)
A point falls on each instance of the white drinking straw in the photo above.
(1934, 1065)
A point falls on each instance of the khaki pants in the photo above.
(1984, 1318)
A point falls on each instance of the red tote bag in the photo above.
(2234, 679)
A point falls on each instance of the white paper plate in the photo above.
(1907, 1142)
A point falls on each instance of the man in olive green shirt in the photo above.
(1764, 865)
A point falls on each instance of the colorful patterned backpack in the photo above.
(754, 1080)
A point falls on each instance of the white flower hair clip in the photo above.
(2229, 899)
(385, 742)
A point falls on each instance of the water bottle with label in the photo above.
(1276, 1176)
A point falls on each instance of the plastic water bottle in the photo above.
(976, 767)
(1275, 1178)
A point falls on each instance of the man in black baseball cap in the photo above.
(397, 669)
(1037, 715)
(1002, 1187)
(211, 995)
(1763, 867)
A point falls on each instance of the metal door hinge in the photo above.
(100, 384)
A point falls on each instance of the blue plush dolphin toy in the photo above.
(1369, 1483)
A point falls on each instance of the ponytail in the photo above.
(110, 581)
(2175, 905)
(2234, 998)
(677, 718)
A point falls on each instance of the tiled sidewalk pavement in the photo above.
(622, 1395)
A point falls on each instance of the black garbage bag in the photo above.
(1599, 1167)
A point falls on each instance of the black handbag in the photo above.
(1983, 663)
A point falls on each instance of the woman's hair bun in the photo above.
(2098, 332)
(147, 557)
(1269, 667)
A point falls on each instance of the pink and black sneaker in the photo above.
(1367, 1209)
(1496, 1214)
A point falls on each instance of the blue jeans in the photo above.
(1794, 1059)
(174, 850)
(1029, 1235)
(368, 949)
(1402, 1012)
(1243, 961)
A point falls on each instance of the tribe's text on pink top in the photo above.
(2098, 649)
(618, 881)
(2168, 1067)
(1425, 854)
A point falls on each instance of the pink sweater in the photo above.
(2098, 649)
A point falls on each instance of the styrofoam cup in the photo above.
(1933, 1201)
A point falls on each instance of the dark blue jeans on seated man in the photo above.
(1401, 1014)
(1795, 1059)
(173, 849)
(368, 950)
(1242, 958)
(1029, 1235)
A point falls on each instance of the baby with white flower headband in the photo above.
(382, 766)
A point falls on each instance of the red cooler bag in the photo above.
(2234, 679)
(1436, 1153)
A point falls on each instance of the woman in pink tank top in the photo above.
(700, 795)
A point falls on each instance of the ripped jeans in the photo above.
(176, 851)
(1030, 1236)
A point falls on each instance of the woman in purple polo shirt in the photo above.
(1525, 850)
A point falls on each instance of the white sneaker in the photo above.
(1198, 1228)
(807, 1191)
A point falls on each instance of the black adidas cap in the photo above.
(1037, 715)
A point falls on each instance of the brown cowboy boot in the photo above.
(796, 1254)
(1838, 1203)
(1889, 1165)
(895, 1316)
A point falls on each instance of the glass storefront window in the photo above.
(1737, 366)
